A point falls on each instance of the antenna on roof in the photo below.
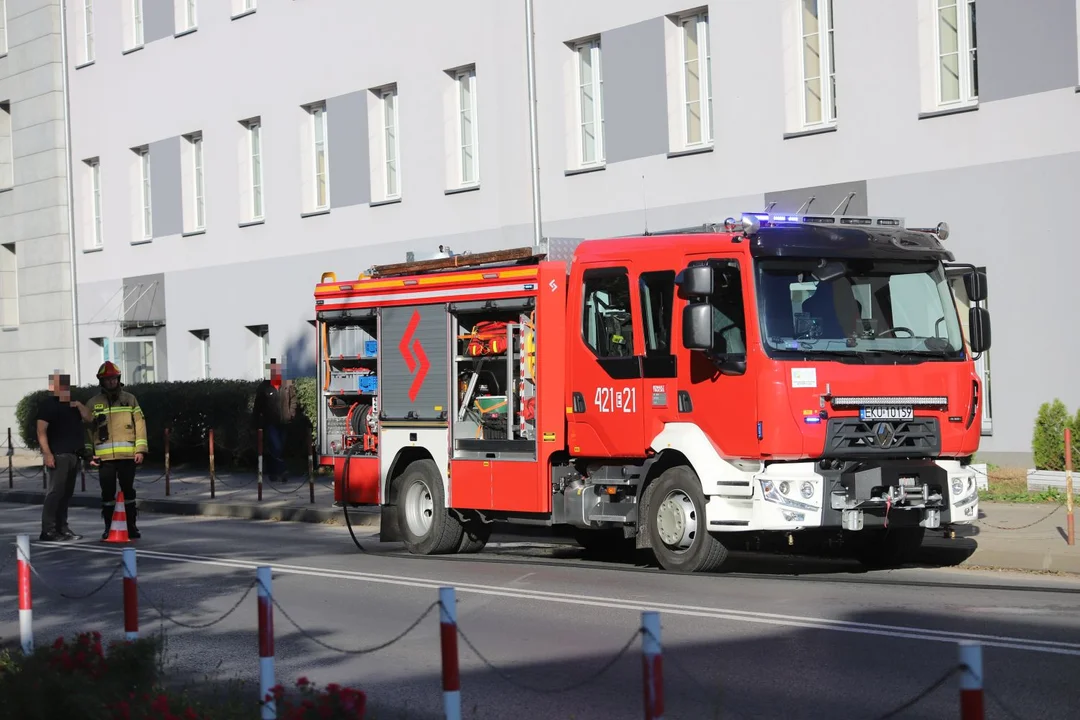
(806, 205)
(845, 202)
(769, 207)
(645, 202)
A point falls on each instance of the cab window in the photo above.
(607, 320)
(729, 316)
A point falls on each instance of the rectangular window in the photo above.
(3, 28)
(818, 63)
(202, 339)
(322, 185)
(9, 286)
(254, 131)
(729, 312)
(147, 214)
(697, 80)
(190, 16)
(7, 148)
(136, 23)
(590, 102)
(607, 320)
(88, 30)
(136, 358)
(96, 239)
(958, 67)
(657, 297)
(391, 143)
(200, 190)
(467, 130)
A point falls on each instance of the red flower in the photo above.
(301, 682)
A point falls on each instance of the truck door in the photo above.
(606, 398)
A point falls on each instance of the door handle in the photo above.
(579, 403)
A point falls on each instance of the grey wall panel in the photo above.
(1025, 48)
(826, 198)
(347, 127)
(159, 20)
(410, 338)
(166, 199)
(635, 91)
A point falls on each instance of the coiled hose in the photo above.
(346, 495)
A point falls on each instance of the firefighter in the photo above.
(117, 443)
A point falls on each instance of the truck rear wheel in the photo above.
(677, 526)
(427, 528)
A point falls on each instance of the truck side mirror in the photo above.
(979, 325)
(975, 286)
(697, 326)
(696, 280)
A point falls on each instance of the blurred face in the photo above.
(276, 370)
(110, 383)
(60, 385)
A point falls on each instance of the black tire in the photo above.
(426, 527)
(475, 534)
(689, 547)
(888, 548)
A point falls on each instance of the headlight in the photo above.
(807, 489)
(957, 486)
(785, 487)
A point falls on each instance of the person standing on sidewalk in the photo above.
(117, 443)
(60, 434)
(273, 409)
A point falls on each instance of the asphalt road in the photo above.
(775, 638)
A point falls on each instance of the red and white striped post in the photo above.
(212, 487)
(131, 596)
(260, 475)
(266, 644)
(26, 612)
(652, 665)
(451, 677)
(971, 681)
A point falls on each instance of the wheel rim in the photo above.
(676, 521)
(419, 508)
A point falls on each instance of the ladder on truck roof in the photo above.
(514, 256)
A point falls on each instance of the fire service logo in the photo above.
(418, 365)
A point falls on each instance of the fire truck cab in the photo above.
(803, 379)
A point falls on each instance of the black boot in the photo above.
(106, 515)
(132, 514)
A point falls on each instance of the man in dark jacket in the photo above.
(274, 408)
(61, 436)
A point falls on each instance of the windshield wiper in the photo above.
(827, 354)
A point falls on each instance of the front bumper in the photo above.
(929, 494)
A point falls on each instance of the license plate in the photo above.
(886, 412)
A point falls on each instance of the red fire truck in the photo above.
(806, 379)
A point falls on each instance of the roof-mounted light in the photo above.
(941, 231)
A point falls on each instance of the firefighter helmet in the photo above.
(108, 369)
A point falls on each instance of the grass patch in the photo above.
(1010, 485)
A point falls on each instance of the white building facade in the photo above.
(226, 153)
(36, 301)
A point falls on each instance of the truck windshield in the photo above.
(864, 306)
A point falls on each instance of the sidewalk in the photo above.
(1016, 536)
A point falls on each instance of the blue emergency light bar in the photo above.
(753, 221)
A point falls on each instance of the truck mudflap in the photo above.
(854, 496)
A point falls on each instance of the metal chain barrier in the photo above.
(49, 586)
(574, 686)
(925, 693)
(190, 626)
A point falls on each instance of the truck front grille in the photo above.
(852, 437)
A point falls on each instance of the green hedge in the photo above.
(1048, 438)
(190, 410)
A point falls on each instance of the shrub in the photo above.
(190, 409)
(1048, 439)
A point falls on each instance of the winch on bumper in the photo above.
(858, 495)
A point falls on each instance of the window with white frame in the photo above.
(9, 285)
(193, 176)
(696, 80)
(254, 169)
(3, 28)
(136, 23)
(96, 239)
(259, 349)
(818, 64)
(199, 188)
(320, 171)
(957, 60)
(145, 197)
(590, 102)
(190, 13)
(202, 354)
(469, 162)
(390, 142)
(88, 30)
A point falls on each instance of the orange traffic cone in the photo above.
(118, 532)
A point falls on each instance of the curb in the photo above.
(359, 517)
(963, 553)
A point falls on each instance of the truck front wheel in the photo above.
(427, 528)
(677, 526)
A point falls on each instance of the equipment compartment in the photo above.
(348, 351)
(494, 402)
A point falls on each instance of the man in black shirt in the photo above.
(61, 435)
